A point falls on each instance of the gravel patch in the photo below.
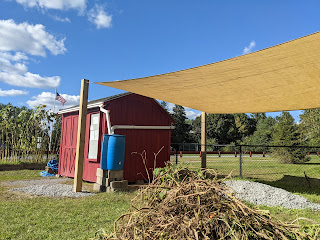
(44, 181)
(263, 194)
(53, 190)
(47, 187)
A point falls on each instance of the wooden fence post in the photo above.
(240, 170)
(203, 141)
(77, 186)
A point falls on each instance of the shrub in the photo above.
(291, 155)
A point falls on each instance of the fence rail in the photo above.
(30, 156)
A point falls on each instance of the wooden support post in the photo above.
(203, 141)
(77, 186)
(240, 170)
(176, 156)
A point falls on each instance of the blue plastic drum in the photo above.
(113, 151)
(104, 152)
(116, 151)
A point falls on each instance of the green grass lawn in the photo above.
(266, 168)
(29, 159)
(25, 217)
(30, 217)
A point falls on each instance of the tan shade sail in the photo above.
(283, 77)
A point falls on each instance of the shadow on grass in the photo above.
(264, 174)
(307, 163)
(296, 184)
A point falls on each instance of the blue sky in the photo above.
(55, 43)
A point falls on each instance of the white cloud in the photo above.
(60, 19)
(29, 80)
(14, 71)
(16, 57)
(99, 17)
(79, 5)
(192, 114)
(25, 37)
(170, 107)
(18, 40)
(6, 64)
(12, 93)
(47, 98)
(249, 49)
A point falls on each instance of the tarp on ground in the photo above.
(282, 77)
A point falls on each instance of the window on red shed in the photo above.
(94, 136)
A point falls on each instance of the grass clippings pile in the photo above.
(183, 204)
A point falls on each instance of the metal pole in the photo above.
(240, 161)
(54, 103)
(47, 153)
(51, 123)
(203, 141)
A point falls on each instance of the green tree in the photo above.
(164, 105)
(263, 133)
(21, 130)
(222, 128)
(225, 128)
(285, 132)
(56, 133)
(196, 129)
(309, 126)
(246, 125)
(258, 116)
(7, 122)
(181, 133)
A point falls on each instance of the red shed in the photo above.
(142, 120)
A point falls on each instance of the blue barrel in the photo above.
(116, 151)
(104, 152)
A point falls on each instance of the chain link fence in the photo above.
(293, 167)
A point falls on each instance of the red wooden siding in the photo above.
(68, 144)
(150, 141)
(137, 110)
(132, 109)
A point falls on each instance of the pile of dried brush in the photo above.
(184, 204)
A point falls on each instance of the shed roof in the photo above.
(282, 77)
(94, 103)
(98, 102)
(110, 98)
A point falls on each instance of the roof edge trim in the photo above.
(73, 109)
